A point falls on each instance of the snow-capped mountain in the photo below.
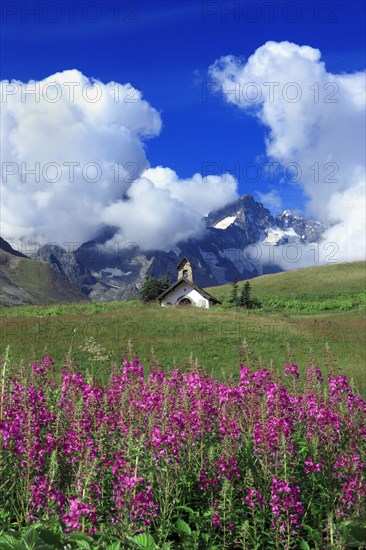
(308, 230)
(106, 272)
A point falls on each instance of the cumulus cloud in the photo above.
(74, 159)
(163, 210)
(271, 200)
(315, 123)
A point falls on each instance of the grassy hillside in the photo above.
(102, 330)
(337, 287)
(25, 281)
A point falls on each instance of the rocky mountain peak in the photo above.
(308, 229)
(6, 247)
(219, 255)
(65, 263)
(240, 212)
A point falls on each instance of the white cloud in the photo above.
(316, 121)
(162, 209)
(200, 194)
(101, 128)
(271, 200)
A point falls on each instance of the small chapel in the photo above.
(184, 292)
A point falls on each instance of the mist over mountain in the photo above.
(238, 241)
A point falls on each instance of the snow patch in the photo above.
(223, 224)
(275, 235)
(110, 272)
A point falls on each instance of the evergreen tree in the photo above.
(234, 296)
(245, 299)
(165, 281)
(150, 289)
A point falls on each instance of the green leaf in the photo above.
(304, 545)
(83, 544)
(186, 509)
(183, 527)
(8, 542)
(53, 539)
(144, 540)
(114, 546)
(80, 539)
(307, 528)
(14, 546)
(7, 537)
(76, 535)
(30, 539)
(358, 533)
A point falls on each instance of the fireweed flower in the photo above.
(254, 499)
(143, 507)
(310, 466)
(338, 386)
(94, 454)
(346, 465)
(42, 493)
(131, 491)
(285, 505)
(355, 403)
(292, 370)
(227, 468)
(78, 510)
(38, 369)
(352, 498)
(207, 480)
(215, 520)
(46, 366)
(313, 375)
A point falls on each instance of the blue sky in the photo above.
(164, 48)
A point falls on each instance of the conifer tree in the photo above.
(150, 289)
(234, 296)
(245, 299)
(165, 281)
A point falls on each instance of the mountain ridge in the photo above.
(25, 281)
(103, 271)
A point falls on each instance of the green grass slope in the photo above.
(25, 281)
(98, 333)
(336, 287)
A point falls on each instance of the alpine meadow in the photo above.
(183, 275)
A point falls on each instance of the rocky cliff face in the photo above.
(66, 263)
(106, 271)
(6, 247)
(25, 281)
